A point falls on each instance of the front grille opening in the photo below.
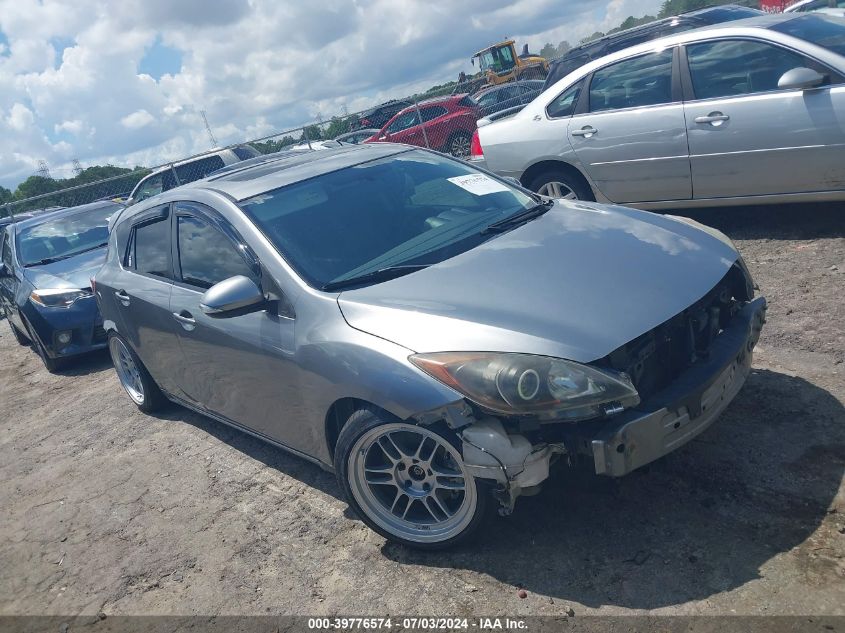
(655, 359)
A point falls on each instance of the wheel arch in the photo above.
(546, 165)
(338, 415)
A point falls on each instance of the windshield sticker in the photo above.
(478, 184)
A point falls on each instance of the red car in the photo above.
(445, 124)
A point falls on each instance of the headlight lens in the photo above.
(57, 297)
(525, 384)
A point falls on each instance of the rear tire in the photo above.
(459, 145)
(408, 482)
(134, 377)
(561, 184)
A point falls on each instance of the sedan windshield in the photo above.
(822, 30)
(401, 212)
(64, 236)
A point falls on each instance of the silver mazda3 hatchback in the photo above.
(435, 335)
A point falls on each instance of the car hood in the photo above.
(74, 272)
(576, 283)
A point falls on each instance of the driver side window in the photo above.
(206, 255)
(403, 122)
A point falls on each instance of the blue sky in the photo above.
(124, 83)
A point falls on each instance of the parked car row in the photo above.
(750, 111)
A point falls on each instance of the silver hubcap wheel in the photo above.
(558, 190)
(412, 483)
(460, 146)
(127, 370)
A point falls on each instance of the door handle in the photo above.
(587, 131)
(186, 322)
(122, 297)
(714, 118)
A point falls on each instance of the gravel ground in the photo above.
(105, 509)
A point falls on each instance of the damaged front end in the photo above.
(644, 399)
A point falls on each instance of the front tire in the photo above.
(20, 337)
(561, 184)
(407, 482)
(134, 377)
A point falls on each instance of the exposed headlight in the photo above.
(57, 297)
(525, 384)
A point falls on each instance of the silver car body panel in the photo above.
(777, 144)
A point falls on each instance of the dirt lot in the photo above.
(106, 509)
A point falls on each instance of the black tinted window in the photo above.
(403, 122)
(565, 66)
(816, 29)
(632, 83)
(197, 169)
(206, 256)
(152, 248)
(727, 68)
(564, 104)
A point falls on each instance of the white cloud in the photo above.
(137, 119)
(256, 66)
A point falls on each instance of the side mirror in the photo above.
(801, 79)
(384, 136)
(233, 297)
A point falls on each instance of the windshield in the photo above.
(408, 209)
(817, 29)
(65, 236)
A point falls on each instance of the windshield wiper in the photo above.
(375, 276)
(515, 220)
(58, 258)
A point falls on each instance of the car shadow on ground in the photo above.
(91, 363)
(704, 520)
(775, 222)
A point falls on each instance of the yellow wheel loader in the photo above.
(500, 64)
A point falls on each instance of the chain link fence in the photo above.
(442, 119)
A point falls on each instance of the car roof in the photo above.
(510, 84)
(58, 213)
(250, 181)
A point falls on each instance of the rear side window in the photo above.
(245, 152)
(728, 68)
(633, 83)
(151, 249)
(189, 172)
(429, 114)
(206, 256)
(564, 104)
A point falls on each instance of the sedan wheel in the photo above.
(410, 484)
(134, 377)
(559, 190)
(459, 145)
(127, 370)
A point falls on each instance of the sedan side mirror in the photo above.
(801, 79)
(233, 297)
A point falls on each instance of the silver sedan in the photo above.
(752, 111)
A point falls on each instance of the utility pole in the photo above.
(214, 142)
(77, 166)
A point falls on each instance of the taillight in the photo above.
(475, 150)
